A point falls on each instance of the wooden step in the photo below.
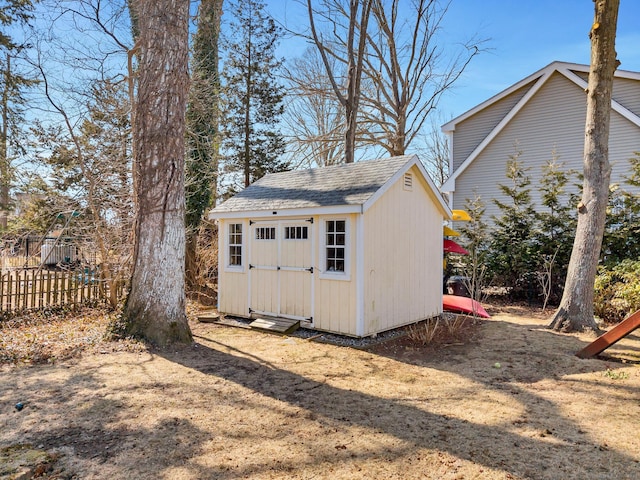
(208, 317)
(277, 325)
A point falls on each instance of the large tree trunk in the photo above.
(575, 312)
(155, 307)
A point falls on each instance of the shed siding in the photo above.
(553, 120)
(470, 132)
(402, 264)
(335, 300)
(232, 286)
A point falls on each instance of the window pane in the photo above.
(340, 226)
(330, 226)
(340, 239)
(340, 253)
(339, 267)
(235, 244)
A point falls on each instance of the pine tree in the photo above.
(11, 100)
(512, 238)
(556, 223)
(253, 99)
(475, 238)
(622, 229)
(202, 129)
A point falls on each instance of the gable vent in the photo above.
(408, 181)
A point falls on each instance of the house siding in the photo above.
(556, 115)
(627, 93)
(472, 131)
(402, 275)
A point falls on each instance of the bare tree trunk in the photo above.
(575, 312)
(155, 307)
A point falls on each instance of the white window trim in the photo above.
(227, 266)
(324, 274)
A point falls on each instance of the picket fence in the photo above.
(33, 289)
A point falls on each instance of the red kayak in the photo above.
(458, 304)
(452, 247)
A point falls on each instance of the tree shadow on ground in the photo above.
(492, 445)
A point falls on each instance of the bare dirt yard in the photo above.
(506, 400)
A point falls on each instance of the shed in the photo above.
(352, 249)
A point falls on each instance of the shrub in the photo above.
(617, 291)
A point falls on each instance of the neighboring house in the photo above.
(541, 116)
(352, 249)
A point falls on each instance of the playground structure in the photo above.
(600, 344)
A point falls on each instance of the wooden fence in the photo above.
(32, 289)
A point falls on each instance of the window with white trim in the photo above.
(266, 233)
(336, 245)
(296, 233)
(235, 244)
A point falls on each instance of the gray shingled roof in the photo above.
(351, 184)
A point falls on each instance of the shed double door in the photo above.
(281, 269)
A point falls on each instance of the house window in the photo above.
(235, 244)
(266, 233)
(296, 233)
(336, 231)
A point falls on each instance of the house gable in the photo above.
(625, 104)
(471, 131)
(550, 124)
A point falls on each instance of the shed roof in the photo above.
(348, 185)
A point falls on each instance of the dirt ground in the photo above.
(508, 401)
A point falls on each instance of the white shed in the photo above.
(352, 249)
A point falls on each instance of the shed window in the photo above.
(296, 233)
(235, 244)
(336, 231)
(266, 233)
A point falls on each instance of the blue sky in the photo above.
(524, 36)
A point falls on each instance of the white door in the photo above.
(281, 269)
